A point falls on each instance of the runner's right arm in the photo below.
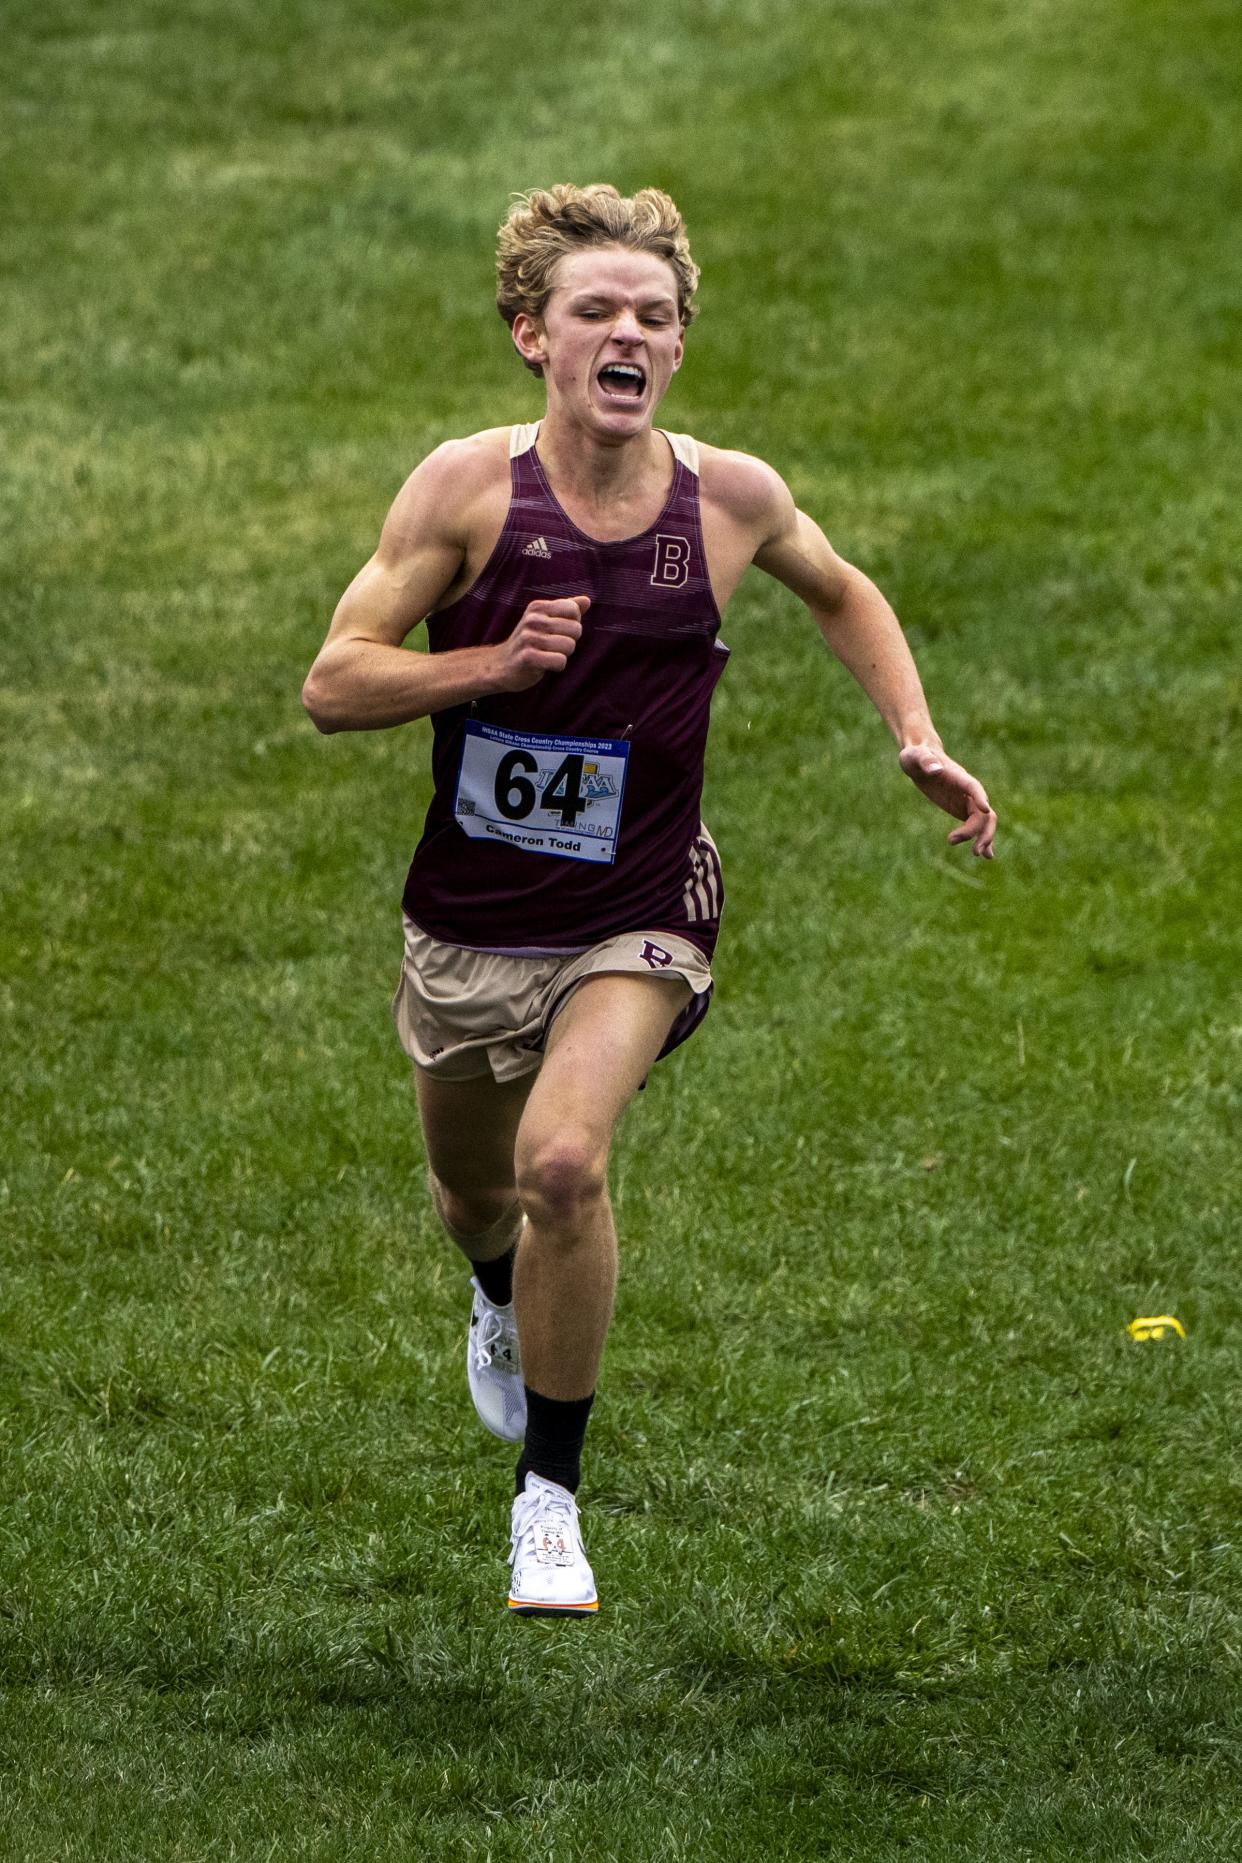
(363, 678)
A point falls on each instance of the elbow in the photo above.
(836, 601)
(316, 703)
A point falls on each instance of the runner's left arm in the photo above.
(865, 635)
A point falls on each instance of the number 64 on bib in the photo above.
(543, 795)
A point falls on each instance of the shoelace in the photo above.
(493, 1334)
(542, 1518)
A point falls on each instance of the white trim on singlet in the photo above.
(701, 896)
(685, 448)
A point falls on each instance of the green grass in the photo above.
(905, 1547)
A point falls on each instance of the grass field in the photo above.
(905, 1548)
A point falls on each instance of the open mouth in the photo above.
(622, 381)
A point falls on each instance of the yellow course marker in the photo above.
(1155, 1328)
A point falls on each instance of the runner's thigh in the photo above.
(600, 1049)
(470, 1129)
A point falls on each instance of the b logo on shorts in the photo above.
(672, 562)
(655, 955)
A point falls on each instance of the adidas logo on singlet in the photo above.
(538, 548)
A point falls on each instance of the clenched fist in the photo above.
(541, 642)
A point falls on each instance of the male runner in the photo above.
(562, 906)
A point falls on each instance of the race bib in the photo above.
(545, 795)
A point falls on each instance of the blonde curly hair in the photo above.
(542, 226)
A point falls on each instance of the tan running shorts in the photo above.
(460, 1013)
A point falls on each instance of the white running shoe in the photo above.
(494, 1368)
(551, 1577)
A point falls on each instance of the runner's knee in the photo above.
(561, 1176)
(473, 1214)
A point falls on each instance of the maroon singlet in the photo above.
(568, 813)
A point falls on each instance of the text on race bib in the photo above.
(544, 795)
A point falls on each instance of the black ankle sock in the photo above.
(496, 1277)
(555, 1432)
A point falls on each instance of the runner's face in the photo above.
(609, 306)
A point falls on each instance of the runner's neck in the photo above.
(599, 475)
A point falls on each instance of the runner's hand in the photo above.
(954, 790)
(542, 642)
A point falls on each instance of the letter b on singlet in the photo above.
(672, 562)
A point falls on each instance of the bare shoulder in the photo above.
(444, 493)
(752, 493)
